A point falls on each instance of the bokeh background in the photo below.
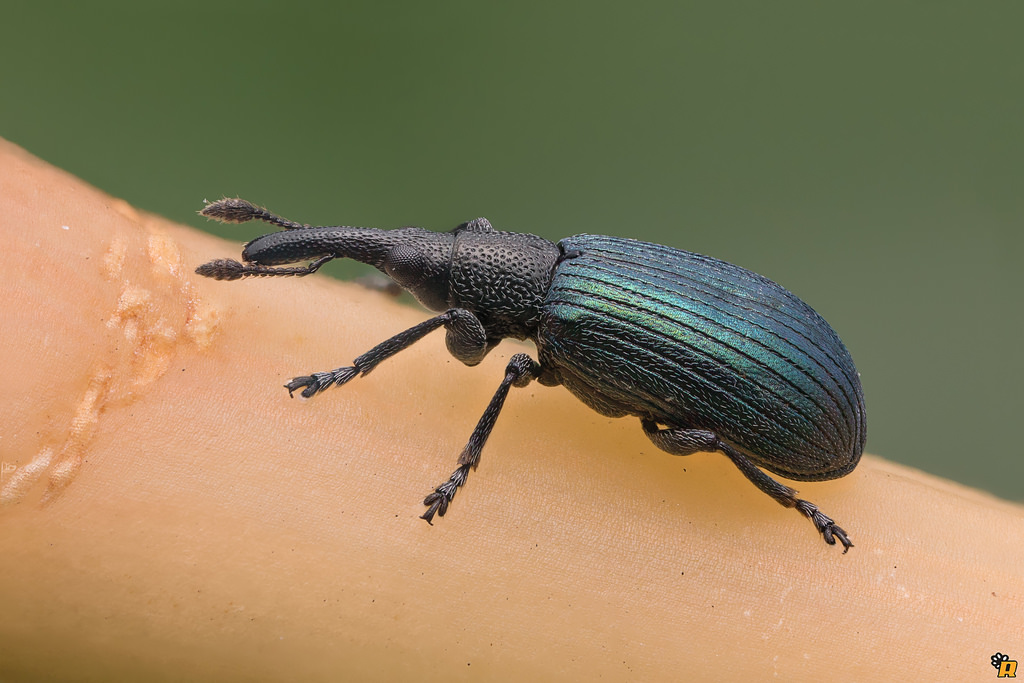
(868, 156)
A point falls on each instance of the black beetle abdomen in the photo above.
(693, 342)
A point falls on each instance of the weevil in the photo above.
(708, 355)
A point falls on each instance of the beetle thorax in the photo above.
(501, 276)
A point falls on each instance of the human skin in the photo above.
(172, 514)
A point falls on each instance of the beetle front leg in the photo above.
(688, 441)
(521, 369)
(460, 323)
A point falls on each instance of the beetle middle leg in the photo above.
(688, 441)
(520, 371)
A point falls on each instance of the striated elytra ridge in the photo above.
(702, 343)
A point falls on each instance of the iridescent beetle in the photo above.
(709, 356)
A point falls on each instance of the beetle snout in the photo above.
(279, 248)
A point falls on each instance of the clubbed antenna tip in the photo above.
(231, 210)
(223, 269)
(240, 211)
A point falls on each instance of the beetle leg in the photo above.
(786, 496)
(680, 441)
(687, 441)
(466, 337)
(457, 320)
(520, 371)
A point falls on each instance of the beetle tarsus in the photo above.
(443, 494)
(319, 381)
(829, 530)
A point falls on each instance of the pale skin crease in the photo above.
(172, 513)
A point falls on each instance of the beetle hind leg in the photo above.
(829, 530)
(688, 441)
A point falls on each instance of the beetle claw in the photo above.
(442, 496)
(829, 530)
(838, 531)
(438, 505)
(319, 381)
(309, 382)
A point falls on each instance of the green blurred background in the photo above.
(868, 156)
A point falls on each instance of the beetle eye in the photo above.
(405, 265)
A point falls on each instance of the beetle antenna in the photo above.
(237, 210)
(229, 269)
